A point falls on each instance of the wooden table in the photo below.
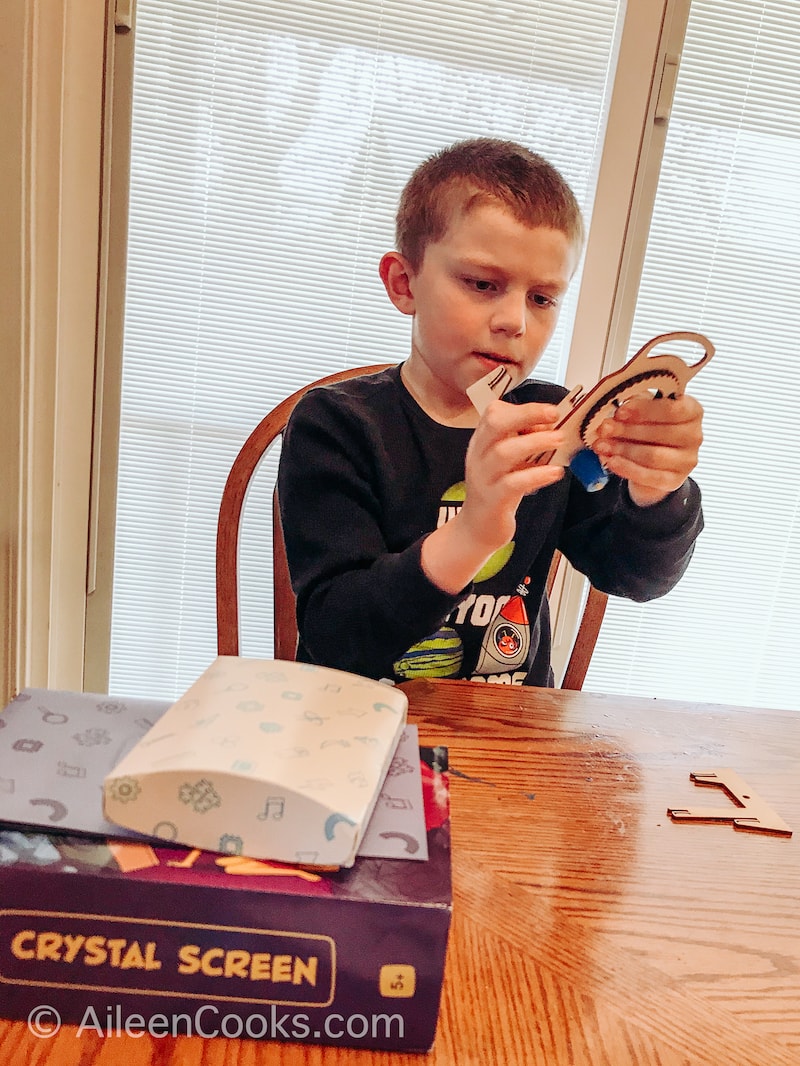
(588, 927)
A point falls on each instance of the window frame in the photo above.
(53, 69)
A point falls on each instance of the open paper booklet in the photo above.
(274, 760)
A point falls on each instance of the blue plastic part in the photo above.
(588, 469)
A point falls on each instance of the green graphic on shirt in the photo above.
(495, 563)
(452, 499)
(439, 655)
(456, 493)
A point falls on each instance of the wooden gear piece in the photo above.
(752, 812)
(654, 375)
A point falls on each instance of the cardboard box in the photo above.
(123, 936)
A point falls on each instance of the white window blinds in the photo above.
(270, 143)
(724, 258)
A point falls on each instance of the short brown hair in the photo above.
(478, 171)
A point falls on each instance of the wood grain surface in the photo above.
(588, 927)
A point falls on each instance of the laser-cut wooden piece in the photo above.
(581, 414)
(751, 813)
(488, 388)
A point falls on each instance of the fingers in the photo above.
(652, 471)
(679, 453)
(653, 444)
(638, 414)
(520, 418)
(490, 505)
(649, 465)
(541, 476)
(663, 472)
(501, 466)
(516, 437)
(520, 453)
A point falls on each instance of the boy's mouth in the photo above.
(495, 359)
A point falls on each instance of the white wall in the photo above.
(51, 86)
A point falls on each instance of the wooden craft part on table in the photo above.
(752, 813)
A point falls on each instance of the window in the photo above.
(269, 145)
(724, 258)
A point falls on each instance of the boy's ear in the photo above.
(397, 277)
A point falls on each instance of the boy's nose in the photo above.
(510, 315)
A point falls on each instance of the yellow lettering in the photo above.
(260, 966)
(115, 947)
(236, 963)
(305, 971)
(73, 945)
(133, 958)
(150, 960)
(95, 953)
(48, 946)
(205, 962)
(281, 967)
(97, 950)
(18, 944)
(188, 958)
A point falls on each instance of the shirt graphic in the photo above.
(508, 637)
(507, 641)
(439, 655)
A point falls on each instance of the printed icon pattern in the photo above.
(269, 754)
(49, 779)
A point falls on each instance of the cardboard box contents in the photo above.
(135, 935)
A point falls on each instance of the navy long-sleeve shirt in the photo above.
(365, 475)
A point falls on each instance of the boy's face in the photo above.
(487, 294)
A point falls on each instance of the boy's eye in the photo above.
(541, 300)
(480, 284)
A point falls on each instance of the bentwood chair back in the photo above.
(244, 467)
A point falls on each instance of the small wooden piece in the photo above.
(752, 812)
(489, 388)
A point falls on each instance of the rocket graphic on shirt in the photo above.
(508, 637)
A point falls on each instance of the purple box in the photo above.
(118, 936)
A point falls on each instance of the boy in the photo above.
(418, 534)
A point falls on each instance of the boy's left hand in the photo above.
(653, 444)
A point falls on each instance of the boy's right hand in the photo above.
(499, 472)
(500, 467)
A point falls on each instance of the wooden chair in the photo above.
(230, 516)
(588, 629)
(285, 625)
